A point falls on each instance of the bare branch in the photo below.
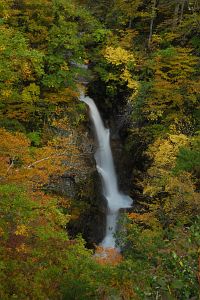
(10, 166)
(54, 156)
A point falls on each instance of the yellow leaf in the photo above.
(1, 232)
(22, 248)
(21, 230)
(118, 56)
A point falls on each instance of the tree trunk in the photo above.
(130, 23)
(182, 10)
(175, 16)
(152, 22)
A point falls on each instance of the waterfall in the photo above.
(105, 167)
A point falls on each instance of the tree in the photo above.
(20, 68)
(173, 94)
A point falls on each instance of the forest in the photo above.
(143, 72)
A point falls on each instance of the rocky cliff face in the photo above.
(127, 147)
(83, 186)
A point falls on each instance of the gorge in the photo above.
(105, 167)
(67, 229)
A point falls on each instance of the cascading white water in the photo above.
(105, 168)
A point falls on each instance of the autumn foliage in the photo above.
(110, 256)
(143, 68)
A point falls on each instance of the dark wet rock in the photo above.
(64, 186)
(92, 221)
